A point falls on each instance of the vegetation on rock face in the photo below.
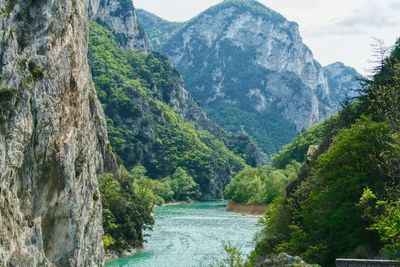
(157, 29)
(125, 215)
(268, 128)
(128, 200)
(210, 51)
(298, 148)
(345, 201)
(6, 96)
(135, 89)
(252, 6)
(270, 131)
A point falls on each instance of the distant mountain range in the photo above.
(248, 67)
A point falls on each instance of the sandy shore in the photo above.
(253, 209)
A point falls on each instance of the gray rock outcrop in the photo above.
(244, 34)
(282, 260)
(343, 82)
(119, 16)
(250, 64)
(53, 137)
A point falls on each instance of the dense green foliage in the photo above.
(234, 258)
(345, 201)
(183, 186)
(128, 200)
(125, 215)
(297, 149)
(270, 131)
(386, 223)
(136, 90)
(158, 30)
(180, 186)
(260, 185)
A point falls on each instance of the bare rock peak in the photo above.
(119, 16)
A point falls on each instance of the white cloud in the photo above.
(335, 30)
(373, 14)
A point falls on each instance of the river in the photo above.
(187, 235)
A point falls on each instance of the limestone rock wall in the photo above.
(119, 16)
(53, 137)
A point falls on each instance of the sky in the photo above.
(338, 30)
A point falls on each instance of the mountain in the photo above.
(156, 129)
(152, 120)
(349, 184)
(53, 138)
(249, 69)
(343, 81)
(158, 30)
(119, 16)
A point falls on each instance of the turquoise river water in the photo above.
(187, 235)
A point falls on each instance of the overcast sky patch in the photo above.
(340, 30)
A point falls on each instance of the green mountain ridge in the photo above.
(158, 30)
(134, 88)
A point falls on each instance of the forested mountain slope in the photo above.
(171, 150)
(157, 29)
(248, 67)
(141, 100)
(345, 201)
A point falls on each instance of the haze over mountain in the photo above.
(248, 67)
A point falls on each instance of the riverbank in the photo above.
(112, 255)
(176, 203)
(253, 209)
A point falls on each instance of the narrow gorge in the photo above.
(130, 140)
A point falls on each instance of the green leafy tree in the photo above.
(183, 185)
(345, 200)
(387, 224)
(234, 258)
(125, 216)
(260, 185)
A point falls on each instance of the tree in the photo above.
(183, 185)
(125, 216)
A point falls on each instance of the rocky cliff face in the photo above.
(246, 61)
(119, 16)
(181, 100)
(53, 138)
(154, 122)
(343, 82)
